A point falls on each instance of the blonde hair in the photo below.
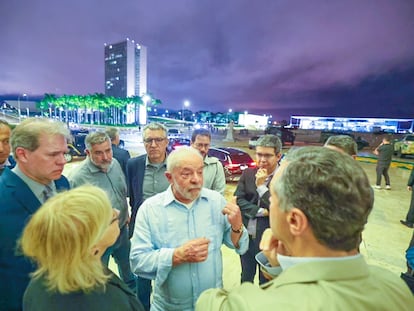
(61, 235)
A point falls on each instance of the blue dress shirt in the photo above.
(163, 224)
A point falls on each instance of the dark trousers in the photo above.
(383, 170)
(144, 291)
(248, 260)
(410, 215)
(120, 252)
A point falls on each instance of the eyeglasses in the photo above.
(199, 145)
(265, 155)
(157, 140)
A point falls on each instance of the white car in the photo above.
(174, 133)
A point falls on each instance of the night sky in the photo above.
(281, 57)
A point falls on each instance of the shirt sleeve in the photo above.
(220, 180)
(146, 260)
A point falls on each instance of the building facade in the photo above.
(126, 76)
(355, 124)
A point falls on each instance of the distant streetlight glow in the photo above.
(185, 104)
(18, 106)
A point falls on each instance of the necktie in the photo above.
(47, 193)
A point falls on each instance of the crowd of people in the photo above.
(296, 220)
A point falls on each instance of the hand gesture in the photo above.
(261, 176)
(195, 250)
(233, 213)
(270, 247)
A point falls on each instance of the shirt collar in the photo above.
(289, 261)
(37, 188)
(148, 162)
(170, 198)
(5, 164)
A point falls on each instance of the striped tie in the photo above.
(47, 193)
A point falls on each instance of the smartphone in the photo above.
(265, 265)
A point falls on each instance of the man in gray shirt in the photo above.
(101, 170)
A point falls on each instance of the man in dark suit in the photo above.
(252, 194)
(146, 177)
(6, 160)
(120, 154)
(39, 146)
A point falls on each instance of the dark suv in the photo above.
(285, 135)
(234, 161)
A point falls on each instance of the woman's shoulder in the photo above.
(115, 296)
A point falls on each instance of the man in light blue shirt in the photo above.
(178, 235)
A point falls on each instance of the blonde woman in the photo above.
(66, 238)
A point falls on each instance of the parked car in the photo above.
(285, 135)
(175, 143)
(404, 146)
(174, 133)
(253, 141)
(76, 145)
(234, 161)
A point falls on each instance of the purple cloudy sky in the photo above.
(279, 57)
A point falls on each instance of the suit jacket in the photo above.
(135, 180)
(247, 196)
(12, 164)
(321, 285)
(122, 156)
(17, 204)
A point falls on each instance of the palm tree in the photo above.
(47, 101)
(136, 101)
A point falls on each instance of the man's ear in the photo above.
(168, 175)
(21, 154)
(279, 156)
(297, 221)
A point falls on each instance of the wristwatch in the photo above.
(240, 230)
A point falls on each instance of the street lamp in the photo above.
(18, 106)
(185, 104)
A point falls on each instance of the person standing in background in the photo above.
(102, 170)
(409, 219)
(213, 172)
(342, 143)
(384, 152)
(145, 178)
(121, 155)
(6, 160)
(253, 194)
(39, 147)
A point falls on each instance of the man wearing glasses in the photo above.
(252, 194)
(213, 172)
(146, 177)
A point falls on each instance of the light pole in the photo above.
(18, 106)
(185, 104)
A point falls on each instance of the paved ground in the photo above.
(384, 238)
